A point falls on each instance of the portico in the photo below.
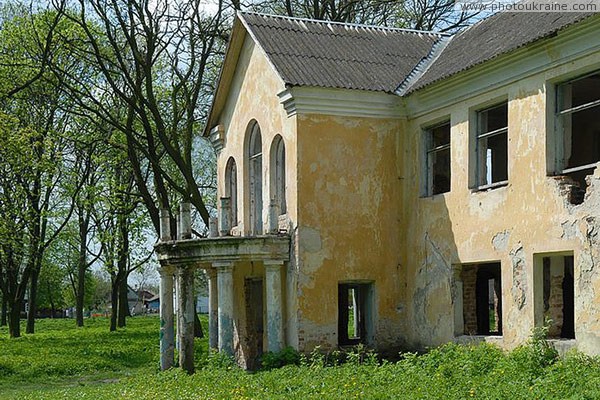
(220, 257)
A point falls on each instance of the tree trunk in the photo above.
(198, 332)
(32, 300)
(114, 298)
(123, 304)
(14, 320)
(122, 262)
(80, 295)
(3, 316)
(82, 265)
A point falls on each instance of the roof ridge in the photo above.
(422, 66)
(348, 24)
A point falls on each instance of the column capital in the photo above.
(223, 266)
(273, 264)
(166, 270)
(211, 273)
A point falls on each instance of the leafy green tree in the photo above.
(53, 280)
(34, 154)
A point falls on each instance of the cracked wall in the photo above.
(347, 219)
(532, 215)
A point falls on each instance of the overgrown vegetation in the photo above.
(63, 362)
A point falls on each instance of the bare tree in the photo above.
(437, 15)
(153, 67)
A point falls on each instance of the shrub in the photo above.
(287, 356)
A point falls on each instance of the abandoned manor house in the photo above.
(397, 188)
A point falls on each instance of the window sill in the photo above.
(434, 196)
(562, 346)
(491, 186)
(469, 339)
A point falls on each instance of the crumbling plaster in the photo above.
(508, 224)
(253, 97)
(347, 218)
(353, 192)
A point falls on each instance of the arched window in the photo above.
(255, 175)
(278, 173)
(231, 189)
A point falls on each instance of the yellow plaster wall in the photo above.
(353, 192)
(508, 224)
(253, 97)
(347, 219)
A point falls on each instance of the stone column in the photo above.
(274, 211)
(274, 305)
(185, 221)
(225, 217)
(225, 299)
(213, 311)
(185, 316)
(165, 225)
(167, 330)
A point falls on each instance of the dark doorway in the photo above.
(254, 322)
(482, 299)
(489, 300)
(353, 312)
(559, 296)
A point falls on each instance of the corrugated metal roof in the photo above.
(335, 55)
(499, 34)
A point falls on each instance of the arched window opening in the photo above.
(255, 174)
(278, 174)
(231, 189)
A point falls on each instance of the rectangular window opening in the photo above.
(558, 296)
(492, 147)
(578, 131)
(353, 312)
(438, 159)
(481, 299)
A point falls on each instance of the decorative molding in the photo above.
(217, 137)
(341, 102)
(225, 249)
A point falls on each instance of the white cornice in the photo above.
(575, 43)
(341, 102)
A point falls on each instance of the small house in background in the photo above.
(153, 304)
(137, 300)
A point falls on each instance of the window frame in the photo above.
(479, 180)
(559, 130)
(231, 189)
(429, 154)
(278, 184)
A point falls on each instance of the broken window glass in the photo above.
(492, 146)
(578, 148)
(438, 159)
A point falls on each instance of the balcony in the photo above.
(217, 255)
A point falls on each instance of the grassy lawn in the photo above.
(63, 362)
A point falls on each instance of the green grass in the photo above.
(62, 362)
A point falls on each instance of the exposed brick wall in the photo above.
(469, 279)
